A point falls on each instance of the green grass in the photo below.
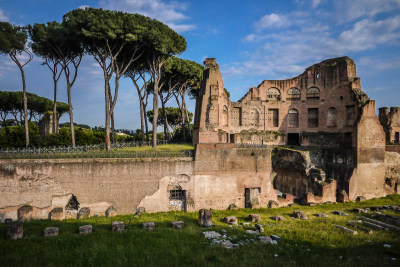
(167, 147)
(312, 242)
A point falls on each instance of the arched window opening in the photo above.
(313, 93)
(293, 94)
(331, 117)
(293, 118)
(273, 94)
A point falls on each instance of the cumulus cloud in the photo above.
(350, 10)
(3, 16)
(170, 13)
(272, 20)
(288, 52)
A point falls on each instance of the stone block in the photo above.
(25, 213)
(341, 213)
(273, 204)
(205, 218)
(226, 244)
(278, 218)
(85, 229)
(232, 207)
(57, 214)
(117, 226)
(360, 210)
(300, 215)
(148, 226)
(322, 215)
(177, 224)
(342, 197)
(232, 220)
(255, 218)
(51, 231)
(111, 212)
(84, 213)
(70, 214)
(140, 211)
(308, 198)
(288, 197)
(360, 198)
(15, 230)
(259, 228)
(211, 234)
(265, 239)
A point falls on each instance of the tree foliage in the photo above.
(174, 117)
(11, 103)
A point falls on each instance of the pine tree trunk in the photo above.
(146, 123)
(71, 115)
(55, 128)
(187, 116)
(142, 118)
(155, 113)
(25, 106)
(112, 128)
(107, 123)
(183, 124)
(166, 137)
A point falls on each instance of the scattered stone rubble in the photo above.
(117, 226)
(51, 231)
(235, 241)
(85, 229)
(177, 224)
(232, 220)
(205, 218)
(149, 226)
(300, 215)
(255, 217)
(341, 213)
(278, 218)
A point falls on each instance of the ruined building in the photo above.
(390, 121)
(323, 108)
(334, 151)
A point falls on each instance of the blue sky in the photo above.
(252, 40)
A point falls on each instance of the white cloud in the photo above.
(315, 3)
(3, 16)
(350, 10)
(272, 21)
(83, 6)
(288, 52)
(170, 13)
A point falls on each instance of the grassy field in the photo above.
(312, 242)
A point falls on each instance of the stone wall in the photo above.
(217, 178)
(390, 120)
(96, 183)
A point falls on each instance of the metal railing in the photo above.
(93, 151)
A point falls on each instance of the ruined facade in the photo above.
(390, 120)
(323, 108)
(319, 107)
(342, 155)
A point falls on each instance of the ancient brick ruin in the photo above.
(390, 120)
(331, 148)
(319, 107)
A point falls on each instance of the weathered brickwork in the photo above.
(319, 107)
(390, 120)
